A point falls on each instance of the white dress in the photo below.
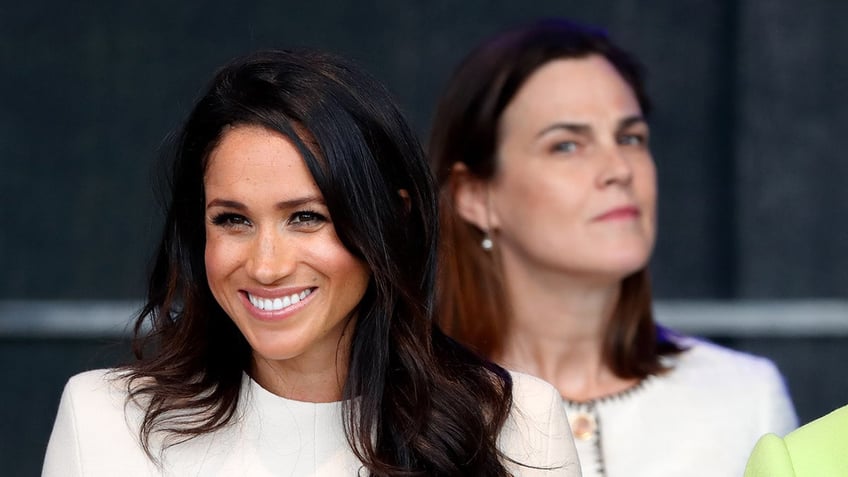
(96, 435)
(702, 418)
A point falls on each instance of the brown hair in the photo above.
(471, 298)
(424, 404)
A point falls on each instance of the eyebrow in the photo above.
(630, 121)
(586, 130)
(582, 129)
(283, 205)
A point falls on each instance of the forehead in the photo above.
(581, 90)
(253, 158)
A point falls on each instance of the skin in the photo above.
(571, 209)
(269, 236)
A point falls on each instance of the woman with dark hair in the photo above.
(288, 327)
(540, 147)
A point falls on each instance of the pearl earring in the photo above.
(487, 243)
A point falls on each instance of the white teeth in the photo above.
(276, 304)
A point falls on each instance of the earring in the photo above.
(487, 243)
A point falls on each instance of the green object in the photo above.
(819, 448)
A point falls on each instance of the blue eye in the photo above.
(632, 140)
(565, 146)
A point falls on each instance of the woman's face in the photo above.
(273, 259)
(575, 187)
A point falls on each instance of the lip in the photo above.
(619, 213)
(276, 315)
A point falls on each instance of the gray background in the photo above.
(750, 114)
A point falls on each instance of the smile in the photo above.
(278, 303)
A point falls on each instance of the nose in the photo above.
(616, 168)
(271, 259)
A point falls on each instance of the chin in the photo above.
(625, 265)
(276, 353)
(273, 349)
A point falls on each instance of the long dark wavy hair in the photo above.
(472, 302)
(425, 405)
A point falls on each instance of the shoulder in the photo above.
(725, 374)
(817, 448)
(734, 383)
(95, 428)
(536, 432)
(95, 389)
(98, 397)
(93, 381)
(833, 426)
(532, 393)
(769, 458)
(821, 444)
(705, 359)
(534, 401)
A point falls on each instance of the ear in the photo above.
(470, 196)
(404, 196)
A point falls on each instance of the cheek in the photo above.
(220, 259)
(332, 260)
(561, 188)
(646, 185)
(532, 199)
(645, 188)
(514, 191)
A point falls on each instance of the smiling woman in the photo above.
(288, 328)
(276, 266)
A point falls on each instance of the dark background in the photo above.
(750, 116)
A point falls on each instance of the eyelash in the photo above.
(306, 217)
(642, 139)
(572, 147)
(229, 220)
(301, 218)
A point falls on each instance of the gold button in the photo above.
(583, 425)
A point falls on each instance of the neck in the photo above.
(304, 378)
(557, 331)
